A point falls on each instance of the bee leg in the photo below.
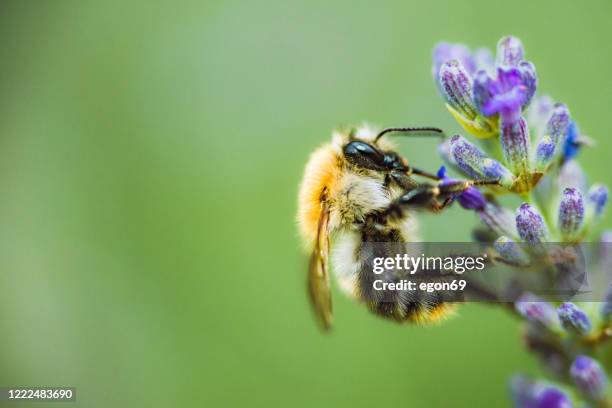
(430, 197)
(422, 196)
(422, 173)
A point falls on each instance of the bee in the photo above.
(358, 190)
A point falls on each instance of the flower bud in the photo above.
(552, 397)
(515, 144)
(510, 251)
(510, 51)
(500, 220)
(545, 151)
(456, 87)
(522, 391)
(558, 124)
(598, 198)
(589, 377)
(444, 52)
(530, 225)
(530, 80)
(493, 170)
(571, 213)
(537, 311)
(470, 199)
(474, 162)
(573, 319)
(444, 150)
(481, 93)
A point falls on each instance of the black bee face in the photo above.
(365, 155)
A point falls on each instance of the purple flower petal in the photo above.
(507, 93)
(552, 397)
(472, 199)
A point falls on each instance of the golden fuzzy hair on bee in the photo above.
(321, 174)
(324, 175)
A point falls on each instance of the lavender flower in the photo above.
(509, 250)
(598, 198)
(572, 141)
(505, 95)
(558, 124)
(486, 105)
(444, 52)
(552, 397)
(510, 51)
(475, 163)
(515, 144)
(573, 319)
(490, 99)
(456, 87)
(571, 214)
(530, 225)
(545, 151)
(470, 199)
(589, 377)
(537, 311)
(522, 392)
(529, 394)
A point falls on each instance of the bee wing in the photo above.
(318, 276)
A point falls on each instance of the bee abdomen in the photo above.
(401, 305)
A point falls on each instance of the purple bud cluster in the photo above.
(528, 144)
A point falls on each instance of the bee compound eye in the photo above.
(394, 162)
(364, 155)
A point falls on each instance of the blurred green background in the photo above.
(150, 155)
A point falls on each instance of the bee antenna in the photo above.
(417, 131)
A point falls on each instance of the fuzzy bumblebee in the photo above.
(360, 191)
